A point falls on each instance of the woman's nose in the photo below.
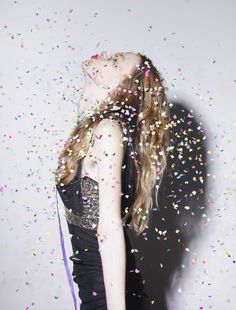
(105, 54)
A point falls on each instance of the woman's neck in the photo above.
(91, 96)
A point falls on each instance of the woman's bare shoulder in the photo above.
(106, 124)
(108, 136)
(108, 128)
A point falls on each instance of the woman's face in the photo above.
(108, 70)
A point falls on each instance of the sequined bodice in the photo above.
(90, 202)
(81, 201)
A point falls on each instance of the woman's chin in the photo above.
(90, 76)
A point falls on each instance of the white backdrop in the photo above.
(192, 43)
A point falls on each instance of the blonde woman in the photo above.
(112, 162)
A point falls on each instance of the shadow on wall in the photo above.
(182, 205)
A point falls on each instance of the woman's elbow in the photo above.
(107, 225)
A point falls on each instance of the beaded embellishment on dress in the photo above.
(90, 202)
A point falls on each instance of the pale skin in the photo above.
(103, 163)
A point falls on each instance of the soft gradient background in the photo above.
(192, 43)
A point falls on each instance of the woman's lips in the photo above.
(95, 56)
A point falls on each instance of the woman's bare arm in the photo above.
(109, 153)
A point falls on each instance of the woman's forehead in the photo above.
(131, 57)
(125, 53)
(128, 54)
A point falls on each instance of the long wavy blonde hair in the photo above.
(140, 103)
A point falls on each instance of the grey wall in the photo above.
(43, 43)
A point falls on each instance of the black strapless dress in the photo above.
(81, 200)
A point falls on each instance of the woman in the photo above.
(112, 162)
